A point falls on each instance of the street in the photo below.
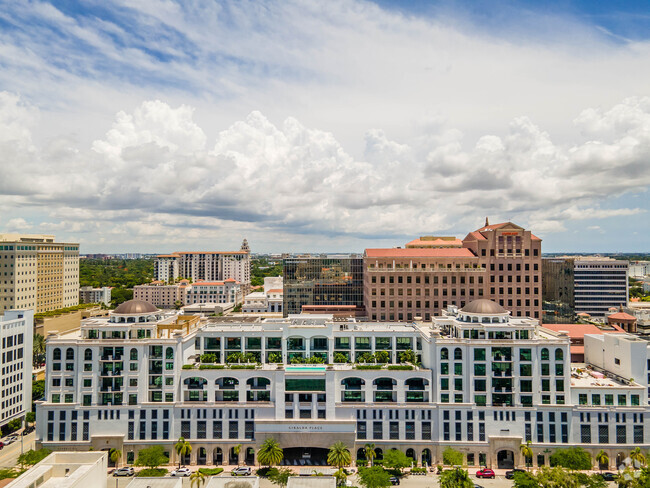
(9, 454)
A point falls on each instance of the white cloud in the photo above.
(17, 224)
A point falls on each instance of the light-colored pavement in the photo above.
(9, 454)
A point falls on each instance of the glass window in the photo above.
(479, 370)
(622, 400)
(479, 354)
(545, 354)
(559, 354)
(582, 399)
(444, 368)
(525, 369)
(525, 355)
(609, 399)
(444, 383)
(458, 354)
(458, 368)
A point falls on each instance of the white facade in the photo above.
(88, 294)
(228, 291)
(484, 384)
(267, 301)
(205, 266)
(17, 331)
(66, 470)
(160, 294)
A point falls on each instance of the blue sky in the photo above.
(163, 125)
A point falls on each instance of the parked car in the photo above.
(242, 471)
(125, 471)
(608, 476)
(28, 430)
(477, 486)
(10, 440)
(394, 480)
(511, 474)
(181, 472)
(485, 473)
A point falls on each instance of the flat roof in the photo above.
(414, 252)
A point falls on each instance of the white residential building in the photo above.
(267, 301)
(17, 331)
(228, 291)
(88, 294)
(484, 383)
(205, 266)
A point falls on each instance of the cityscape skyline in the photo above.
(152, 128)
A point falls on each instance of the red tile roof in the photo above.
(621, 316)
(276, 290)
(419, 242)
(420, 253)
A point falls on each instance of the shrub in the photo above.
(152, 472)
(188, 366)
(242, 366)
(263, 472)
(208, 358)
(210, 471)
(571, 458)
(212, 366)
(362, 463)
(368, 366)
(400, 367)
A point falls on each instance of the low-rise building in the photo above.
(162, 295)
(228, 291)
(17, 331)
(269, 300)
(66, 470)
(88, 294)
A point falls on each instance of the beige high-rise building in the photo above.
(38, 273)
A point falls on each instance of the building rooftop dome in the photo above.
(135, 307)
(484, 306)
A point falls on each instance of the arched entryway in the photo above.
(411, 453)
(505, 459)
(250, 456)
(361, 454)
(426, 457)
(202, 456)
(217, 456)
(620, 460)
(379, 454)
(233, 457)
(305, 456)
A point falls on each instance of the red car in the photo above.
(485, 473)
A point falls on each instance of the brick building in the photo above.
(500, 262)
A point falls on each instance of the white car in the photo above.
(242, 471)
(181, 472)
(10, 440)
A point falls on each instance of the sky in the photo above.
(160, 126)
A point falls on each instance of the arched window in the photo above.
(352, 383)
(444, 353)
(56, 354)
(559, 354)
(545, 355)
(133, 354)
(88, 355)
(458, 353)
(169, 353)
(69, 354)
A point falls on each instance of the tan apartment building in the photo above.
(38, 273)
(500, 262)
(162, 295)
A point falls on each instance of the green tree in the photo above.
(407, 356)
(455, 478)
(32, 457)
(275, 357)
(525, 480)
(152, 457)
(397, 460)
(527, 452)
(369, 450)
(374, 477)
(366, 357)
(30, 417)
(38, 389)
(115, 455)
(270, 453)
(571, 458)
(340, 476)
(38, 350)
(182, 448)
(339, 455)
(236, 450)
(452, 457)
(340, 358)
(602, 458)
(197, 478)
(637, 456)
(208, 358)
(280, 476)
(382, 356)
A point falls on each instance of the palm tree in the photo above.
(340, 476)
(198, 478)
(637, 455)
(602, 458)
(38, 348)
(236, 450)
(115, 455)
(370, 452)
(339, 455)
(270, 453)
(183, 448)
(526, 451)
